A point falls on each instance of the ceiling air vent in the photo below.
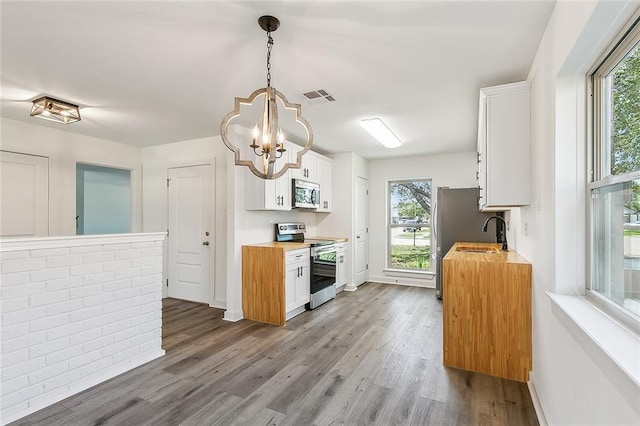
(318, 97)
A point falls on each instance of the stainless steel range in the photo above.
(322, 285)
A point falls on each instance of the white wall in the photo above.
(156, 160)
(76, 312)
(572, 382)
(64, 150)
(249, 227)
(346, 167)
(233, 225)
(452, 170)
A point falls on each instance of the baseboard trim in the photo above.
(403, 281)
(219, 304)
(537, 405)
(233, 316)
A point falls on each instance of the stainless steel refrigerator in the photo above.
(458, 219)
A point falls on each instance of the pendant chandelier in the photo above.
(267, 139)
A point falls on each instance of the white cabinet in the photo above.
(324, 170)
(297, 292)
(269, 194)
(341, 264)
(275, 194)
(315, 168)
(308, 169)
(504, 157)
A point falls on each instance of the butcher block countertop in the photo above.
(483, 252)
(286, 246)
(486, 297)
(336, 239)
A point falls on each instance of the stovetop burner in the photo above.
(294, 232)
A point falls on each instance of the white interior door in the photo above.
(24, 195)
(190, 242)
(362, 230)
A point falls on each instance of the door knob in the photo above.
(205, 243)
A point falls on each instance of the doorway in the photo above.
(362, 231)
(103, 200)
(190, 242)
(24, 195)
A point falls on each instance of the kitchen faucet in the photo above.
(503, 231)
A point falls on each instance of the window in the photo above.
(615, 187)
(409, 234)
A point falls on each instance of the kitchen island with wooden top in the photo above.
(487, 310)
(264, 275)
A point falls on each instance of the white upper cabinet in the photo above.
(308, 170)
(269, 194)
(323, 174)
(504, 157)
(275, 194)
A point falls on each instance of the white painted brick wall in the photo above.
(72, 316)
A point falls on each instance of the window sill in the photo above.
(408, 274)
(613, 347)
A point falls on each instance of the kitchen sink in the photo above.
(476, 250)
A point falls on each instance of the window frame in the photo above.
(599, 170)
(391, 226)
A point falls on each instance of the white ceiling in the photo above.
(148, 73)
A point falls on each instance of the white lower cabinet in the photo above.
(297, 292)
(341, 264)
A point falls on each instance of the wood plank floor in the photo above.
(373, 356)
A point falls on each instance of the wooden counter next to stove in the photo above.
(487, 311)
(263, 297)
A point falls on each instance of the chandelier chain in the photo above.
(269, 47)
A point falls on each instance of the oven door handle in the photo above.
(323, 250)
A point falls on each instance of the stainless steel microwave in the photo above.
(305, 194)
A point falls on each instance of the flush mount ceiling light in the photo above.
(381, 132)
(55, 110)
(267, 140)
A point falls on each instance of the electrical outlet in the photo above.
(526, 229)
